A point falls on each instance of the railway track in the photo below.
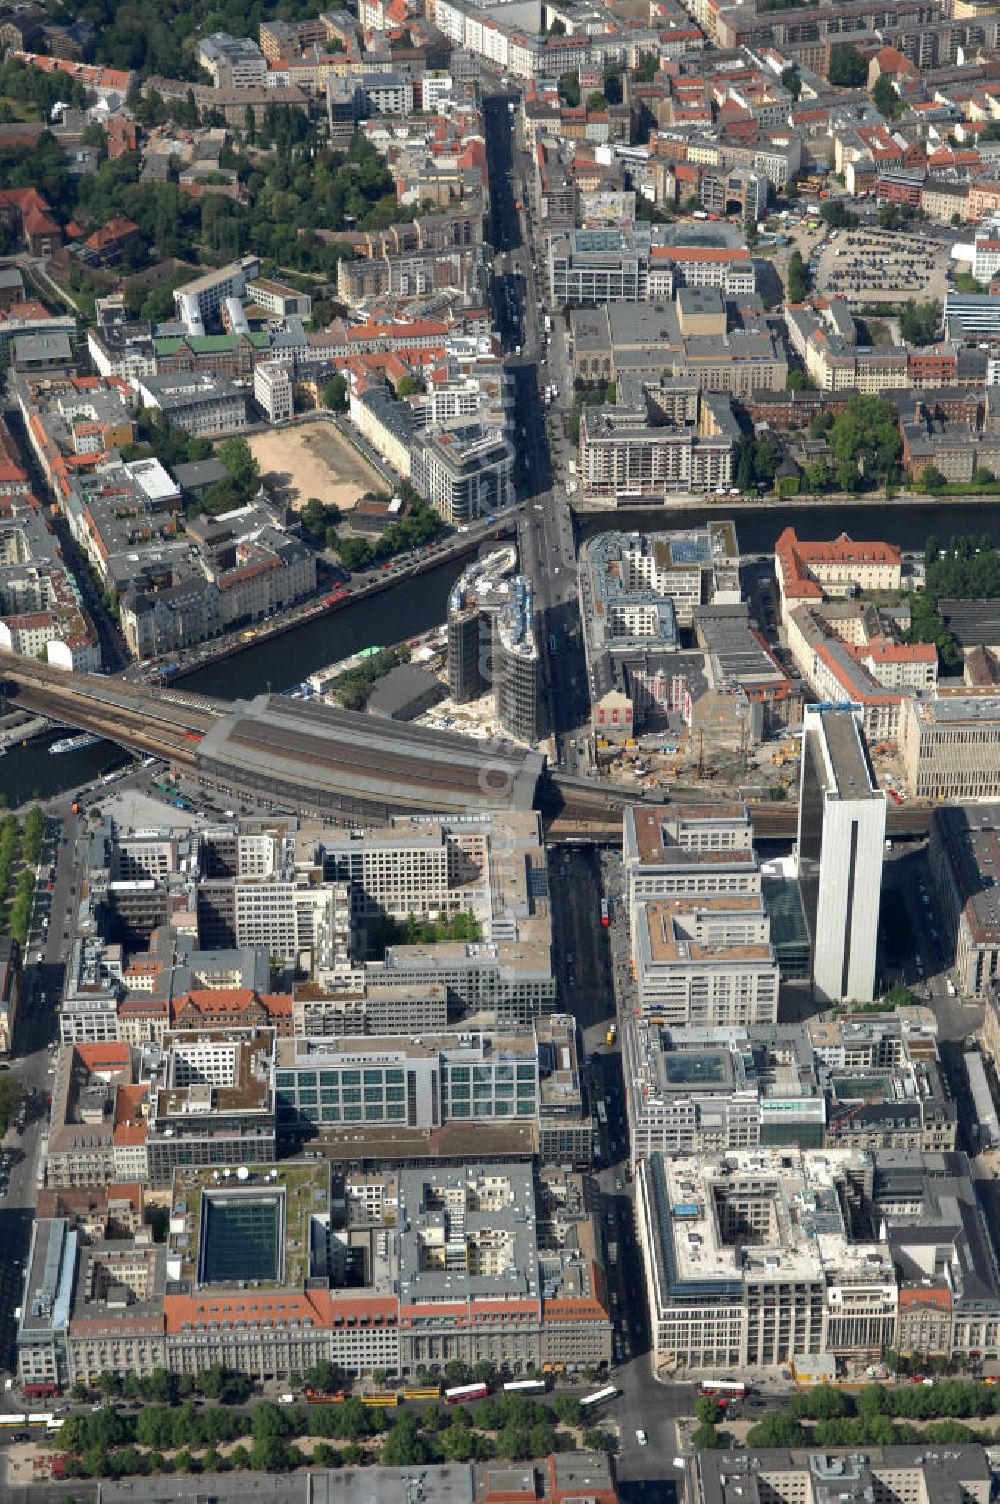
(171, 723)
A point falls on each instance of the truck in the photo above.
(612, 1253)
(548, 324)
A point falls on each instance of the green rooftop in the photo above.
(225, 1229)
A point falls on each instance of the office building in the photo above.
(950, 747)
(695, 850)
(864, 1081)
(958, 1474)
(272, 390)
(704, 961)
(233, 62)
(841, 836)
(403, 1270)
(211, 1101)
(492, 643)
(965, 862)
(373, 1084)
(751, 1263)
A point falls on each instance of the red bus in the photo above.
(463, 1393)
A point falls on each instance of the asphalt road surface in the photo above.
(546, 538)
(35, 1030)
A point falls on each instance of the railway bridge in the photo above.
(343, 765)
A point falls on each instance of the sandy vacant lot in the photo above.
(315, 460)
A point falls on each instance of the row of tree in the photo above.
(108, 1443)
(966, 568)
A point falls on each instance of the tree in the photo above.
(886, 99)
(848, 69)
(212, 1381)
(825, 1402)
(864, 440)
(706, 1410)
(612, 85)
(404, 1446)
(817, 477)
(648, 67)
(407, 386)
(776, 1431)
(597, 102)
(982, 477)
(597, 1440)
(326, 1376)
(791, 80)
(920, 323)
(798, 278)
(704, 1438)
(835, 214)
(891, 217)
(567, 1408)
(799, 381)
(931, 478)
(268, 1454)
(335, 393)
(355, 553)
(236, 455)
(569, 88)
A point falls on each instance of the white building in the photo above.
(272, 390)
(841, 838)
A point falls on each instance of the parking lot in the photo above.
(876, 266)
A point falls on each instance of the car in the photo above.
(619, 1185)
(641, 1437)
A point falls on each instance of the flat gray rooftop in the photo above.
(850, 766)
(453, 1483)
(312, 755)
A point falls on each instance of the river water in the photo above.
(420, 603)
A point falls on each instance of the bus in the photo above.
(425, 1392)
(463, 1393)
(525, 1386)
(380, 1401)
(12, 1422)
(728, 1389)
(599, 1397)
(605, 915)
(325, 1396)
(602, 1114)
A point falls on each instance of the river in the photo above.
(419, 603)
(758, 528)
(412, 606)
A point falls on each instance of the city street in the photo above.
(35, 1030)
(546, 539)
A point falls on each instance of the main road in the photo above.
(547, 548)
